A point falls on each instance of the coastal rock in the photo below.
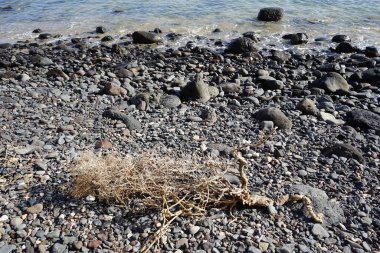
(252, 35)
(273, 114)
(296, 38)
(329, 118)
(345, 150)
(170, 101)
(5, 45)
(345, 47)
(241, 45)
(230, 88)
(142, 37)
(114, 90)
(332, 82)
(196, 90)
(45, 36)
(41, 60)
(100, 29)
(272, 85)
(270, 14)
(307, 106)
(35, 209)
(364, 120)
(371, 52)
(130, 121)
(104, 144)
(371, 75)
(319, 231)
(333, 213)
(340, 38)
(57, 73)
(107, 38)
(214, 91)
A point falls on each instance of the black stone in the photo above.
(271, 14)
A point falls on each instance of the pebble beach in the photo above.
(131, 94)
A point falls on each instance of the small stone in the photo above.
(194, 229)
(35, 209)
(302, 173)
(319, 231)
(94, 244)
(114, 90)
(104, 144)
(263, 246)
(7, 248)
(266, 125)
(16, 221)
(58, 248)
(170, 101)
(4, 218)
(78, 245)
(276, 115)
(307, 106)
(182, 243)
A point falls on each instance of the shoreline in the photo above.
(59, 100)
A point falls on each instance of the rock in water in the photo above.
(100, 29)
(270, 14)
(364, 120)
(333, 213)
(141, 37)
(345, 150)
(276, 115)
(196, 90)
(296, 38)
(241, 45)
(332, 82)
(340, 38)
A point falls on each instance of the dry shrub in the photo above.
(153, 181)
(176, 187)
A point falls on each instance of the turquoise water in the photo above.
(358, 19)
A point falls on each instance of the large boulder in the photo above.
(241, 45)
(273, 114)
(142, 37)
(364, 120)
(196, 90)
(333, 214)
(345, 150)
(270, 14)
(332, 82)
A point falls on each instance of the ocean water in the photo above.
(318, 18)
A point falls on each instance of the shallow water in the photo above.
(318, 18)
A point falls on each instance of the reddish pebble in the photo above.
(94, 244)
(105, 144)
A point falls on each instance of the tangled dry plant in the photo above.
(176, 187)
